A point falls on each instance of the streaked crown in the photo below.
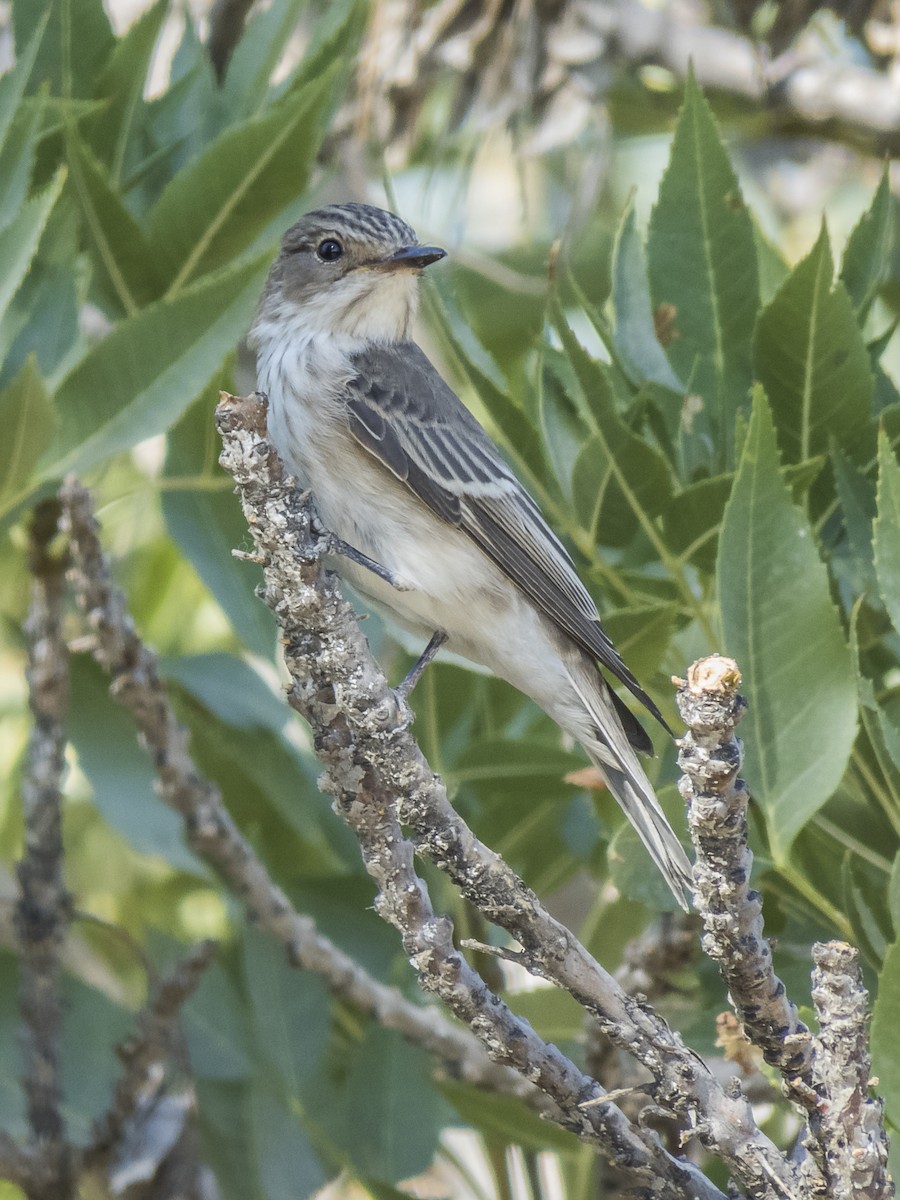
(347, 270)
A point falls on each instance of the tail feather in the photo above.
(611, 752)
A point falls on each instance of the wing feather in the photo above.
(403, 413)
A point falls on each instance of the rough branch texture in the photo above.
(361, 737)
(213, 835)
(710, 757)
(848, 1129)
(43, 911)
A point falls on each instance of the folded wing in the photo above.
(402, 412)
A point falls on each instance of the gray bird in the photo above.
(443, 534)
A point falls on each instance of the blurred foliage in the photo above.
(711, 430)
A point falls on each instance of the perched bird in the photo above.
(436, 527)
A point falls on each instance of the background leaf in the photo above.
(704, 280)
(780, 625)
(812, 361)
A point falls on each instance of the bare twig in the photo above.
(148, 1048)
(360, 736)
(848, 1126)
(44, 907)
(214, 836)
(226, 24)
(710, 757)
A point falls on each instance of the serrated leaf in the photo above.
(19, 240)
(128, 270)
(868, 249)
(882, 734)
(781, 627)
(857, 497)
(635, 332)
(17, 159)
(206, 523)
(704, 279)
(772, 267)
(257, 54)
(217, 204)
(620, 482)
(886, 529)
(14, 82)
(812, 361)
(27, 419)
(75, 45)
(692, 519)
(866, 907)
(121, 83)
(141, 377)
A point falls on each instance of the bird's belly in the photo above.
(446, 581)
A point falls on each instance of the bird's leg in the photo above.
(413, 676)
(338, 546)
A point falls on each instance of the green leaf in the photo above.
(704, 280)
(393, 1111)
(507, 1119)
(19, 240)
(289, 1011)
(120, 773)
(812, 361)
(692, 520)
(620, 482)
(75, 46)
(285, 1158)
(886, 530)
(216, 205)
(857, 496)
(17, 160)
(122, 83)
(628, 860)
(217, 1025)
(635, 333)
(885, 1043)
(14, 82)
(865, 904)
(127, 269)
(257, 54)
(781, 627)
(642, 635)
(206, 523)
(27, 419)
(141, 377)
(868, 249)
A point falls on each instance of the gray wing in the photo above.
(403, 413)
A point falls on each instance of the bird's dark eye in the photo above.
(329, 250)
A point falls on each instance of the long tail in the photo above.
(613, 755)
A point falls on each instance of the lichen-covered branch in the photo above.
(359, 732)
(826, 1076)
(214, 836)
(847, 1130)
(710, 757)
(43, 910)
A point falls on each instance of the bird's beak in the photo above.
(412, 258)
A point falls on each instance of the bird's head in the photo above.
(350, 270)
